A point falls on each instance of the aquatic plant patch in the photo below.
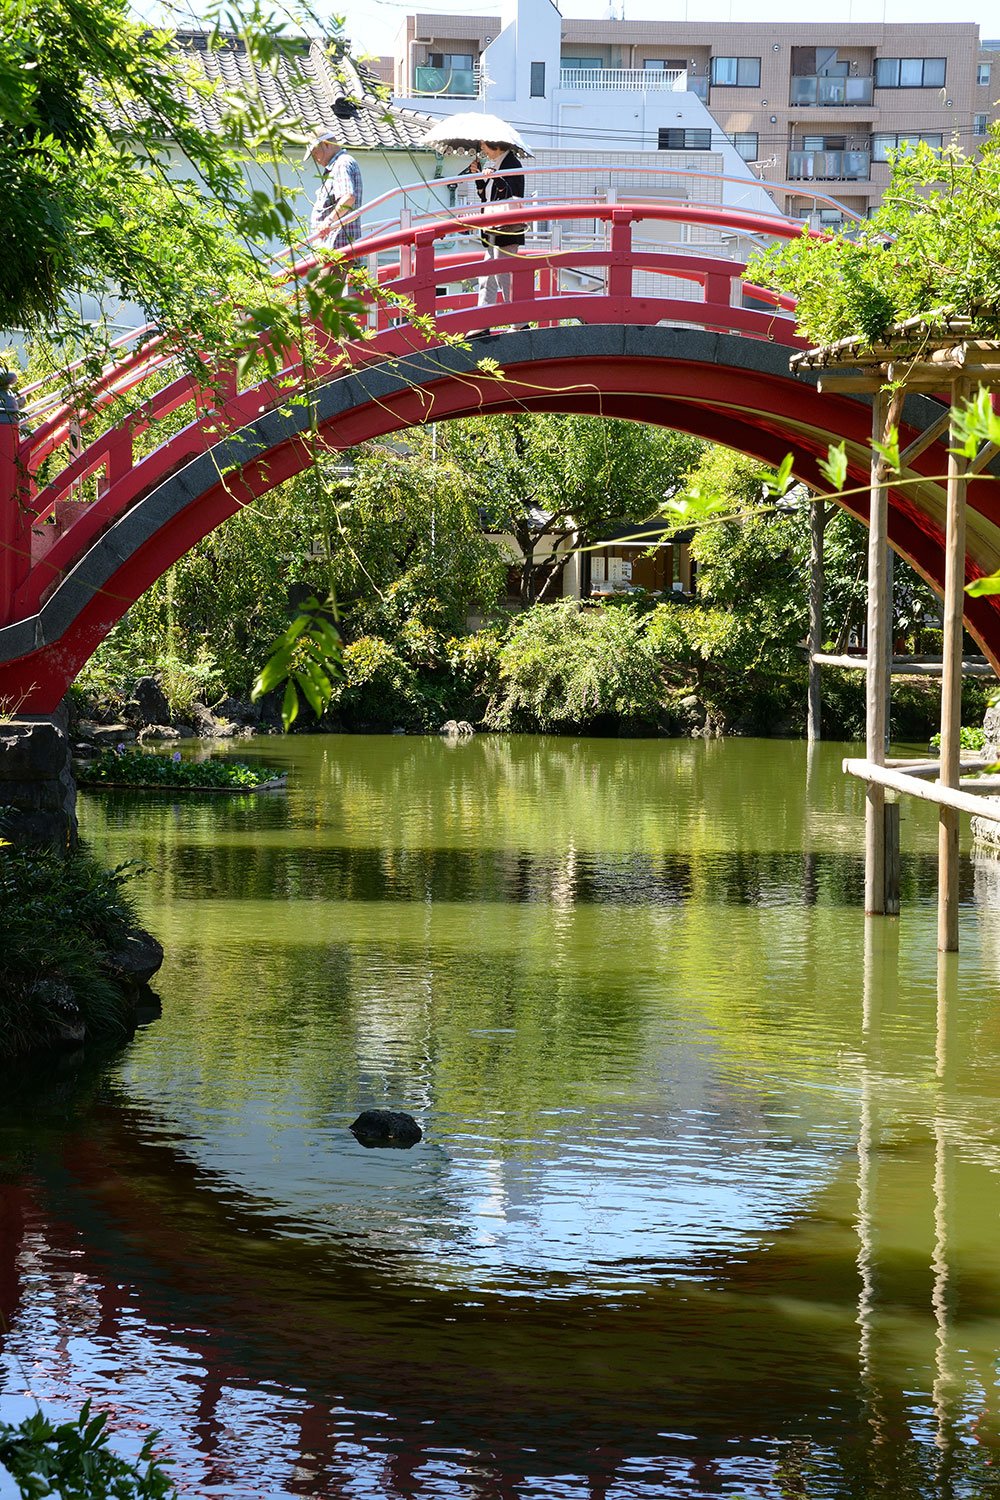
(138, 769)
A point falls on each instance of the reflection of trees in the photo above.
(349, 1370)
(513, 926)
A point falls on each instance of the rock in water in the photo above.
(386, 1127)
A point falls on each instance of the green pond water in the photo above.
(707, 1201)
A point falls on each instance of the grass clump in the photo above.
(61, 920)
(139, 769)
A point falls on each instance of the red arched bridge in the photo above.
(643, 316)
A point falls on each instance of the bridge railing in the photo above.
(554, 227)
(629, 263)
(412, 206)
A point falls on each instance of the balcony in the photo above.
(660, 80)
(830, 92)
(829, 166)
(455, 82)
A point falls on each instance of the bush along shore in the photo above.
(76, 963)
(557, 668)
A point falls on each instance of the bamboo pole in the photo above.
(875, 678)
(892, 860)
(906, 666)
(817, 521)
(951, 685)
(927, 791)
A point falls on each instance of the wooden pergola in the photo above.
(938, 353)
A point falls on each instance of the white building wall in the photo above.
(585, 118)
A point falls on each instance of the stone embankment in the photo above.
(40, 1007)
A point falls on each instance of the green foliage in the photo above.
(584, 473)
(380, 688)
(563, 668)
(143, 769)
(74, 1460)
(970, 738)
(60, 918)
(406, 539)
(933, 242)
(306, 658)
(99, 112)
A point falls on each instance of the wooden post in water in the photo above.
(891, 856)
(817, 521)
(878, 525)
(951, 684)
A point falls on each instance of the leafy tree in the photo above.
(583, 473)
(95, 108)
(933, 242)
(406, 541)
(564, 668)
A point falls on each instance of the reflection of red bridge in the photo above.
(282, 1363)
(664, 335)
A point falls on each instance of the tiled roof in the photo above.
(310, 88)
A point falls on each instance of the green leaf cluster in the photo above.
(145, 769)
(74, 1460)
(933, 242)
(60, 918)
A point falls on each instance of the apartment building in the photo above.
(816, 104)
(519, 65)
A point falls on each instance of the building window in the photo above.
(883, 143)
(983, 74)
(980, 124)
(581, 64)
(665, 65)
(736, 72)
(538, 80)
(909, 72)
(671, 139)
(745, 142)
(456, 61)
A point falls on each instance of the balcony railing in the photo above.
(828, 166)
(666, 80)
(815, 89)
(463, 82)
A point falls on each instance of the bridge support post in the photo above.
(15, 516)
(951, 682)
(875, 699)
(817, 522)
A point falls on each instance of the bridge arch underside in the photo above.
(716, 386)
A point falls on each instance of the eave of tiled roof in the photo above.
(305, 90)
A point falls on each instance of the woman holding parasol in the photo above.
(496, 163)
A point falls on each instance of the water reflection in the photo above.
(707, 1198)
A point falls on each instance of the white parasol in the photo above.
(464, 132)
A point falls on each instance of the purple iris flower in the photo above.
(176, 756)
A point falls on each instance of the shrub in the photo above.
(60, 919)
(379, 687)
(563, 668)
(137, 768)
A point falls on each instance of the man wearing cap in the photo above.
(340, 194)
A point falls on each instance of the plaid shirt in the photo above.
(341, 179)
